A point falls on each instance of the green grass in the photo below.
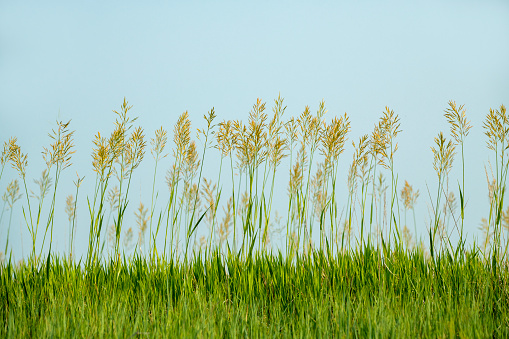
(355, 295)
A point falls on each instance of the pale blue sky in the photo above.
(77, 61)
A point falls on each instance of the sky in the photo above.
(78, 60)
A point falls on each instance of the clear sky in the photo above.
(77, 60)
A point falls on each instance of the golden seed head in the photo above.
(443, 155)
(69, 207)
(142, 222)
(182, 135)
(18, 160)
(226, 138)
(408, 196)
(333, 137)
(496, 125)
(159, 143)
(12, 193)
(457, 118)
(61, 149)
(44, 184)
(208, 194)
(135, 150)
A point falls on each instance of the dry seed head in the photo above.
(334, 137)
(407, 238)
(291, 131)
(182, 135)
(189, 195)
(208, 195)
(62, 148)
(69, 207)
(450, 204)
(457, 118)
(224, 227)
(384, 135)
(135, 149)
(296, 177)
(304, 121)
(443, 155)
(256, 138)
(226, 138)
(275, 123)
(408, 196)
(497, 127)
(123, 120)
(209, 119)
(101, 155)
(44, 184)
(277, 148)
(142, 221)
(128, 239)
(172, 176)
(12, 193)
(18, 160)
(113, 197)
(6, 152)
(159, 143)
(191, 162)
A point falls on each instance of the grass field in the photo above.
(195, 270)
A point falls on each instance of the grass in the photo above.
(217, 275)
(354, 295)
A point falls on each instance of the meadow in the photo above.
(204, 262)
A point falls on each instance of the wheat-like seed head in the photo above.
(333, 137)
(210, 126)
(226, 138)
(296, 177)
(443, 155)
(224, 226)
(171, 176)
(113, 197)
(69, 207)
(128, 239)
(191, 162)
(496, 125)
(6, 152)
(158, 143)
(275, 123)
(12, 193)
(18, 160)
(189, 196)
(291, 128)
(182, 135)
(101, 155)
(408, 196)
(256, 138)
(135, 150)
(123, 119)
(407, 238)
(304, 122)
(450, 204)
(384, 135)
(44, 184)
(318, 190)
(208, 195)
(276, 144)
(457, 118)
(61, 149)
(142, 222)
